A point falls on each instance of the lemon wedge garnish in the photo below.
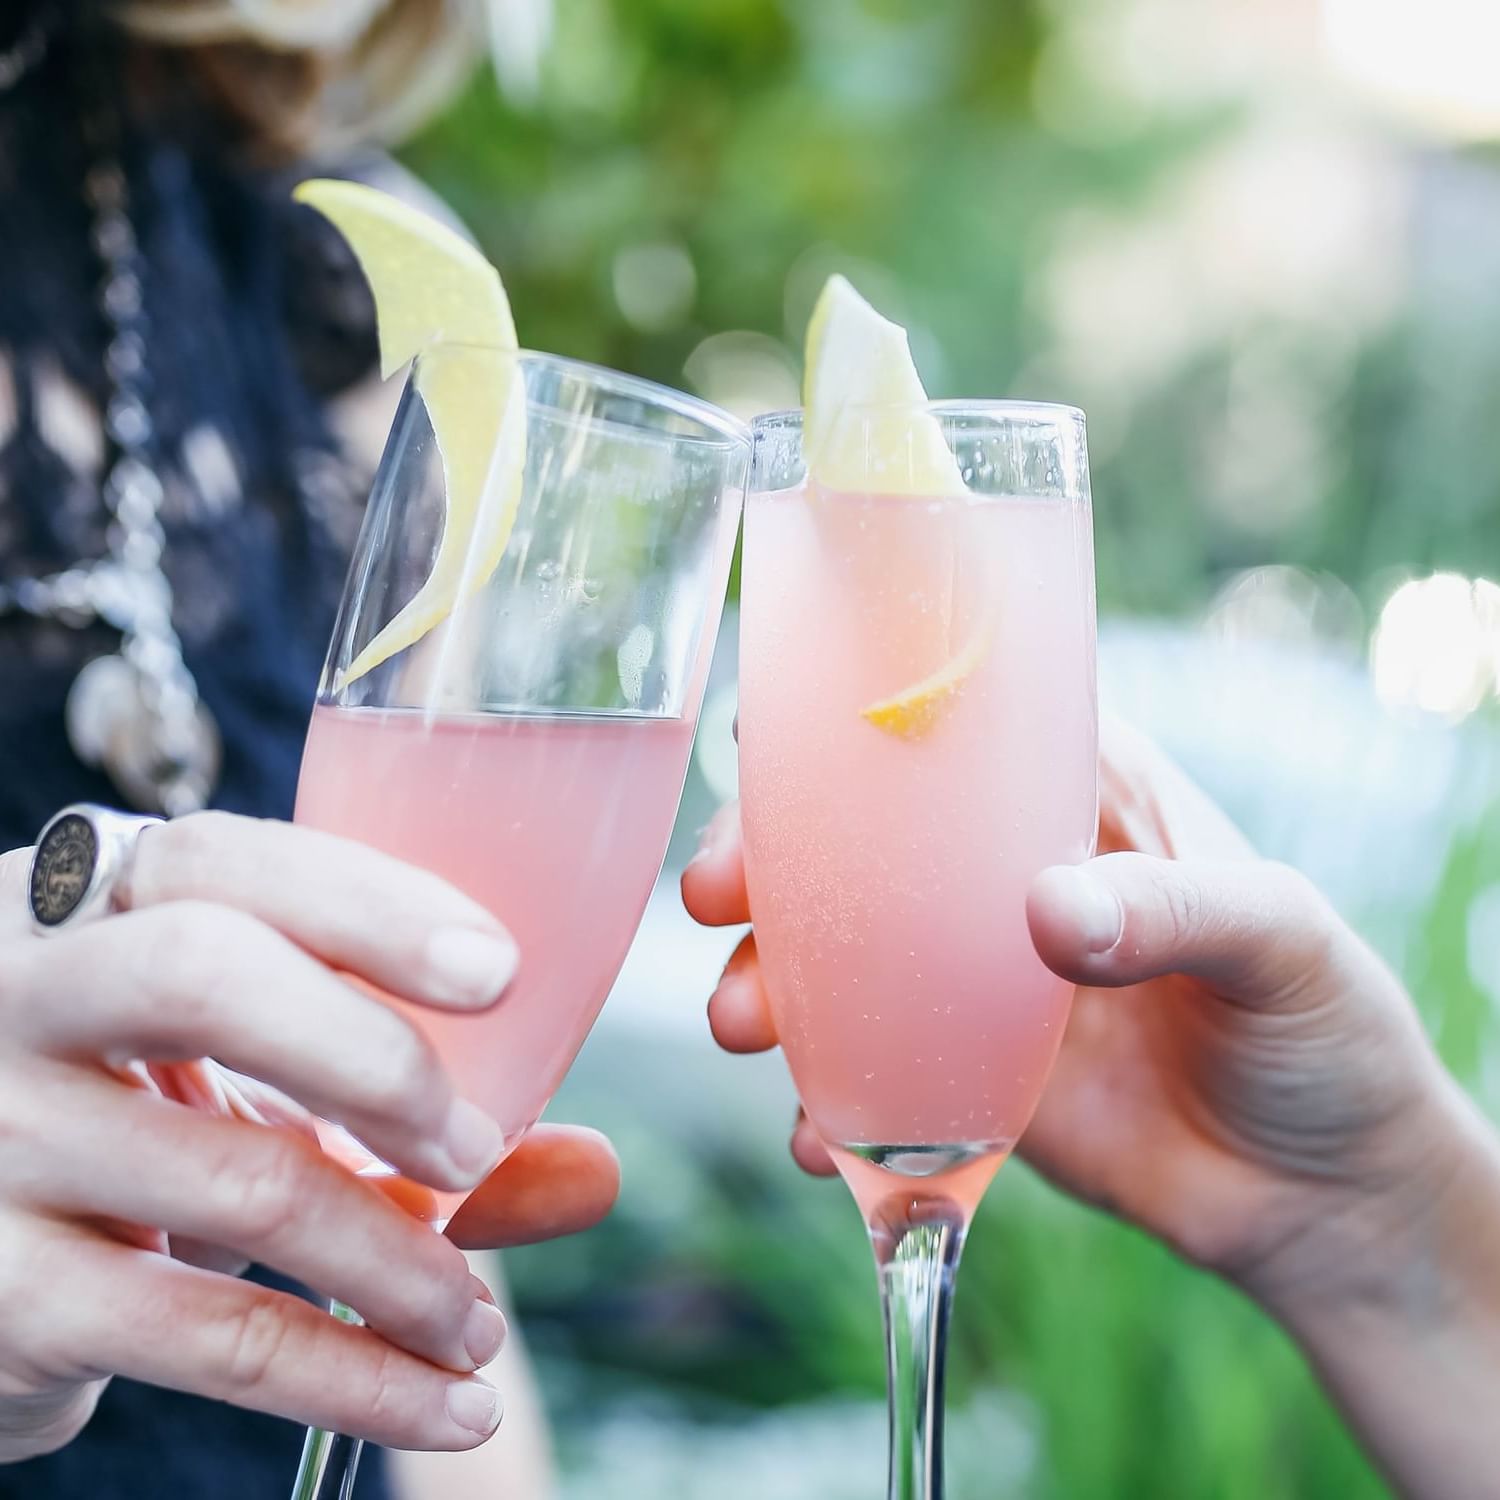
(864, 433)
(861, 433)
(432, 288)
(913, 711)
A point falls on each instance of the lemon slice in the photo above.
(913, 711)
(864, 433)
(433, 288)
(860, 432)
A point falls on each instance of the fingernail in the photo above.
(484, 1332)
(473, 1141)
(474, 1405)
(469, 967)
(1098, 910)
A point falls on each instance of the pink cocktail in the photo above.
(557, 824)
(918, 740)
(531, 748)
(888, 873)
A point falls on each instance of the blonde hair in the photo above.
(295, 75)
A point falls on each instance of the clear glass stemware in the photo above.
(532, 747)
(918, 740)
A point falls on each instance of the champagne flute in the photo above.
(918, 739)
(531, 748)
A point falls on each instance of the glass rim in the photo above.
(1000, 407)
(728, 428)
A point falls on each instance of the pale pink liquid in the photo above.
(557, 824)
(888, 875)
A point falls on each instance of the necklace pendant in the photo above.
(113, 727)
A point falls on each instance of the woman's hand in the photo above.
(119, 1145)
(1241, 1075)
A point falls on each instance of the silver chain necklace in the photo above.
(134, 713)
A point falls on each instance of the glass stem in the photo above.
(918, 1264)
(330, 1461)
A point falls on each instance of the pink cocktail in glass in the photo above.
(918, 740)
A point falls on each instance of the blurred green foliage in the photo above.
(1324, 396)
(1283, 321)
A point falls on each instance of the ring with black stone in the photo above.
(80, 859)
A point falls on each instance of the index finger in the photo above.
(351, 906)
(153, 1319)
(713, 885)
(1148, 804)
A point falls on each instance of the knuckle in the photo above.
(1181, 903)
(387, 1406)
(190, 949)
(200, 835)
(204, 851)
(402, 1077)
(1303, 911)
(446, 1286)
(1296, 891)
(434, 1292)
(262, 1202)
(250, 1339)
(174, 856)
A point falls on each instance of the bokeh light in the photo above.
(520, 32)
(654, 284)
(746, 373)
(1438, 61)
(1437, 646)
(1285, 606)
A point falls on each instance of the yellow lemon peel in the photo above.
(864, 432)
(914, 711)
(434, 289)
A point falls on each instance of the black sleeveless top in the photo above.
(258, 320)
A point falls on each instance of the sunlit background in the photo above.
(1259, 241)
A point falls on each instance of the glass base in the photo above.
(927, 1161)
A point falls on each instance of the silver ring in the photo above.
(81, 857)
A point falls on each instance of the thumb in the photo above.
(560, 1179)
(1258, 932)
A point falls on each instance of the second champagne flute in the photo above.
(531, 749)
(917, 742)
